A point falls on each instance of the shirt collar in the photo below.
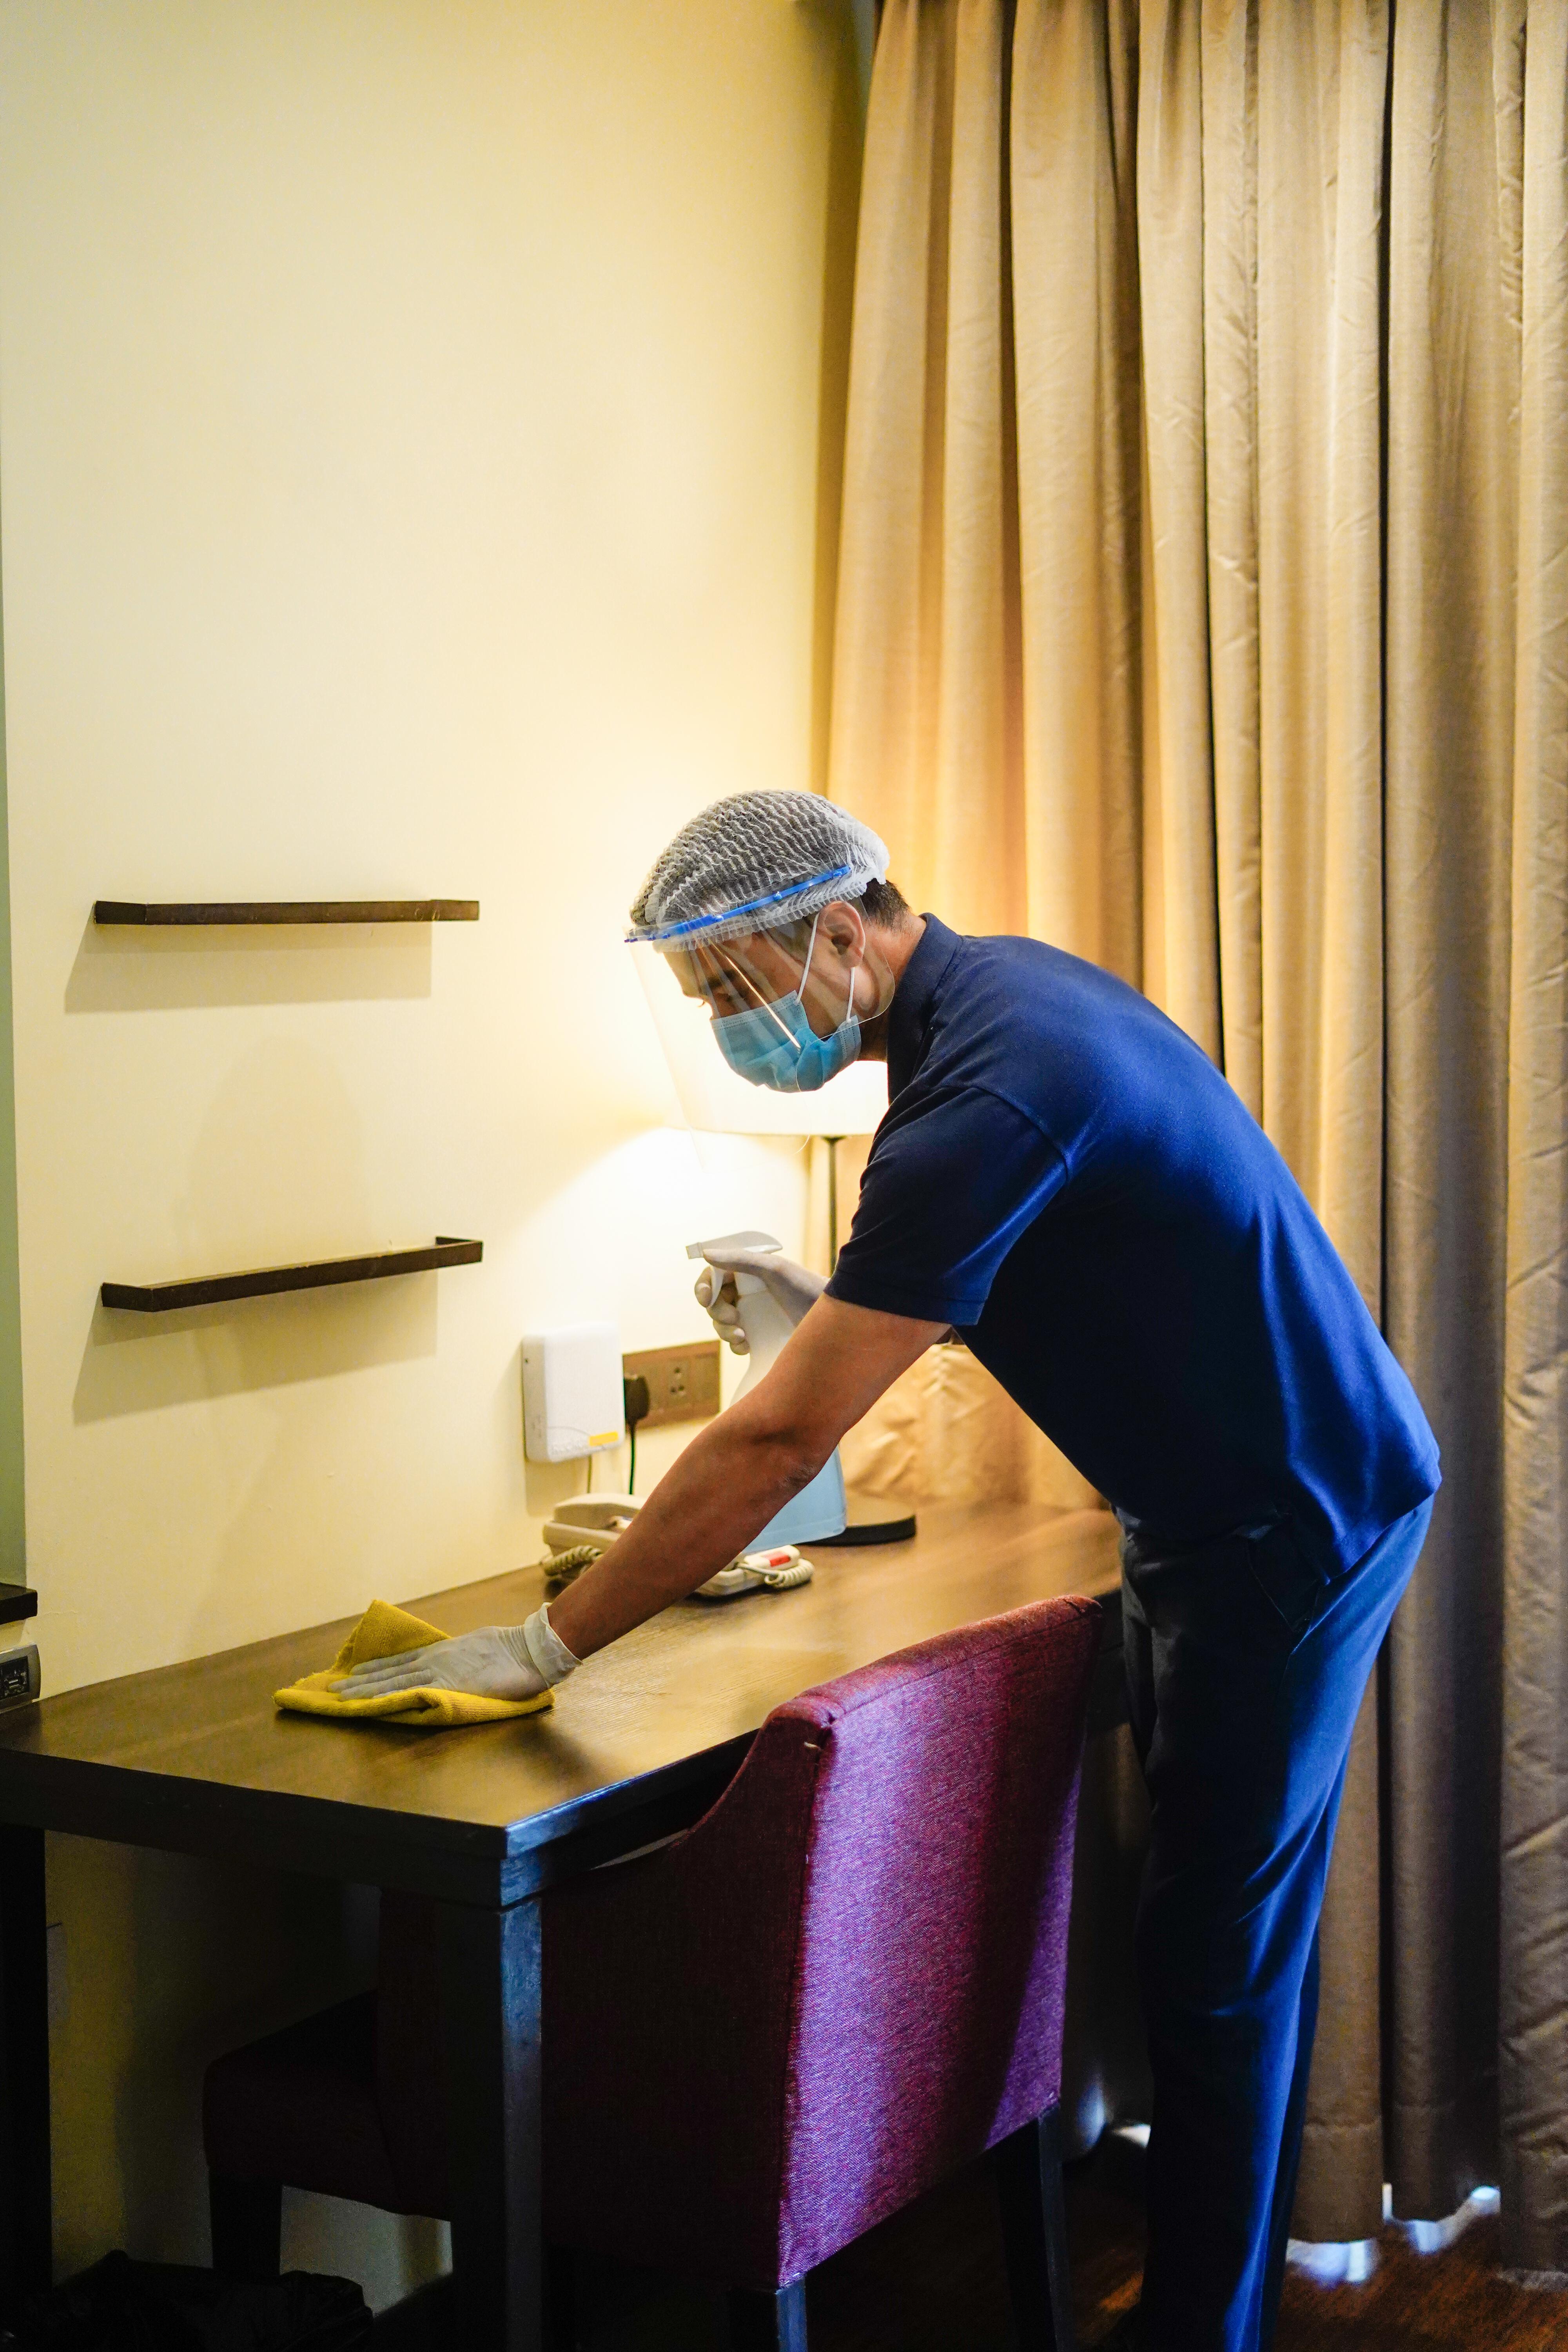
(914, 1003)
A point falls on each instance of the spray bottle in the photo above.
(819, 1509)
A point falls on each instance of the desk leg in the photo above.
(25, 2204)
(491, 2020)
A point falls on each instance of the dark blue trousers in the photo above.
(1244, 1673)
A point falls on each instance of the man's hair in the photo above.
(883, 903)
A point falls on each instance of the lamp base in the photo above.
(871, 1520)
(819, 1505)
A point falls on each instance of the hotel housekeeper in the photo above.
(1064, 1177)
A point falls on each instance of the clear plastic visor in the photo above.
(758, 972)
(806, 976)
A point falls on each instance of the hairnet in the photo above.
(754, 860)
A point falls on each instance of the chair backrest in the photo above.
(932, 1965)
(847, 1980)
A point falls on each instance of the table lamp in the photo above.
(717, 1100)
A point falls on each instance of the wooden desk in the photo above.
(195, 1759)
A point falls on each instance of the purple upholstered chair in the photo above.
(766, 2036)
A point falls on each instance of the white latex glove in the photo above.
(795, 1287)
(512, 1662)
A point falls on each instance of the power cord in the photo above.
(637, 1402)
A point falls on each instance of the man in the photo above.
(1065, 1178)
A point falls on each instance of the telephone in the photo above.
(592, 1522)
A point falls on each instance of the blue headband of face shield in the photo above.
(775, 1046)
(728, 921)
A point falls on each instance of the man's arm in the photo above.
(745, 1466)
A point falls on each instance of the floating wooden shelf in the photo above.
(265, 1282)
(287, 911)
(16, 1600)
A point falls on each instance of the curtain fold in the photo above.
(1181, 956)
(1453, 378)
(1205, 611)
(1534, 2051)
(927, 723)
(1073, 127)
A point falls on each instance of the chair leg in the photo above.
(768, 2323)
(1035, 2234)
(246, 2227)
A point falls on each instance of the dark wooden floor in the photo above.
(931, 2281)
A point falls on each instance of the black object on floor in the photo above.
(120, 2305)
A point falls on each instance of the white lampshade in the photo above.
(851, 1104)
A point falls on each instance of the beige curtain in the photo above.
(1204, 608)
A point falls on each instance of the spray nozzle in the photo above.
(725, 1243)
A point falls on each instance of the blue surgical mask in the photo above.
(775, 1044)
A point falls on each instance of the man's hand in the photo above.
(742, 1469)
(492, 1662)
(795, 1287)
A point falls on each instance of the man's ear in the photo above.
(844, 927)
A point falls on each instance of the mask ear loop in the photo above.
(806, 967)
(849, 1012)
(768, 1010)
(849, 982)
(798, 992)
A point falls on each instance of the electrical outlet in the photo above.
(18, 1676)
(682, 1382)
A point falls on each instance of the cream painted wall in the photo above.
(411, 483)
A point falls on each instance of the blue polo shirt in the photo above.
(1064, 1177)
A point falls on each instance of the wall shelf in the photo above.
(234, 912)
(16, 1600)
(266, 1282)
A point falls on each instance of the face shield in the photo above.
(763, 1023)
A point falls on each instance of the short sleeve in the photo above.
(951, 1182)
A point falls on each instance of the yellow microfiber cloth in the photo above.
(384, 1632)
